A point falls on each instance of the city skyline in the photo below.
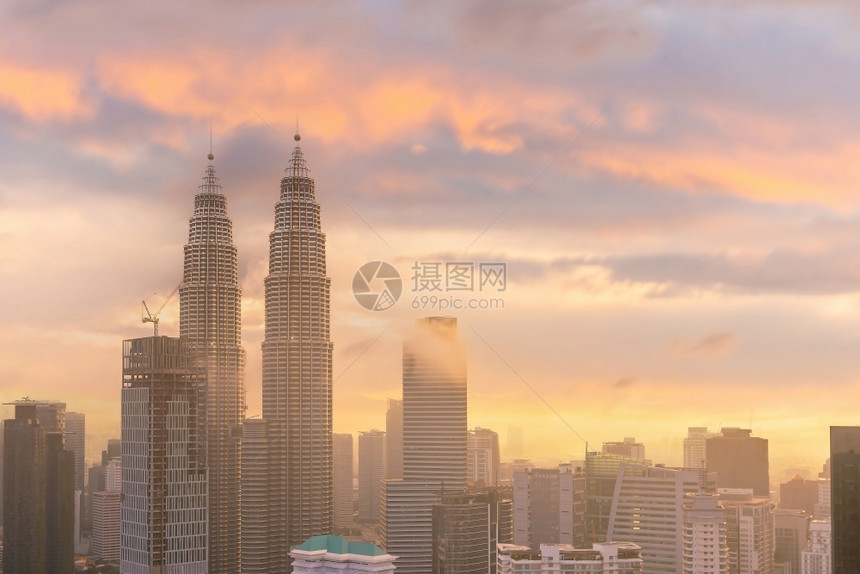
(676, 206)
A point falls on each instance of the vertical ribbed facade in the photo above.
(210, 327)
(297, 370)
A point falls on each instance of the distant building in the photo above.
(342, 489)
(549, 505)
(628, 447)
(76, 442)
(845, 477)
(647, 509)
(163, 521)
(482, 457)
(694, 446)
(394, 439)
(601, 558)
(105, 538)
(325, 553)
(371, 471)
(467, 529)
(816, 559)
(791, 530)
(749, 530)
(705, 548)
(739, 459)
(799, 494)
(38, 494)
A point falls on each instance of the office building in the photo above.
(749, 531)
(210, 314)
(163, 523)
(549, 505)
(791, 532)
(105, 537)
(739, 459)
(482, 457)
(628, 448)
(467, 529)
(257, 519)
(320, 554)
(601, 558)
(601, 475)
(371, 471)
(394, 439)
(705, 548)
(297, 375)
(76, 442)
(845, 498)
(694, 446)
(816, 559)
(342, 474)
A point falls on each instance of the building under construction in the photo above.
(164, 487)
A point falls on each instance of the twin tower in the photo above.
(270, 479)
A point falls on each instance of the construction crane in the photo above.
(148, 316)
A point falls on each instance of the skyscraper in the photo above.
(75, 442)
(845, 498)
(483, 457)
(549, 506)
(210, 308)
(739, 459)
(749, 530)
(342, 489)
(694, 446)
(394, 439)
(371, 470)
(163, 510)
(467, 529)
(297, 370)
(705, 548)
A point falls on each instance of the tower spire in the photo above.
(211, 155)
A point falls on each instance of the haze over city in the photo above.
(672, 187)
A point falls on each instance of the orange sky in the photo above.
(673, 189)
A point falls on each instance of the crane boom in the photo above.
(148, 316)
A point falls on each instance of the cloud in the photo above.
(712, 345)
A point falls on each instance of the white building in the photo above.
(694, 446)
(549, 505)
(816, 559)
(482, 457)
(647, 510)
(602, 558)
(327, 554)
(163, 528)
(705, 548)
(749, 530)
(105, 537)
(822, 509)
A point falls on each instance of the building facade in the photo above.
(394, 439)
(163, 522)
(371, 471)
(816, 559)
(483, 457)
(705, 547)
(601, 558)
(342, 484)
(694, 446)
(749, 531)
(845, 498)
(739, 459)
(549, 505)
(467, 529)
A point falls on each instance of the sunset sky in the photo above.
(673, 186)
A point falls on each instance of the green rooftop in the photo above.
(339, 545)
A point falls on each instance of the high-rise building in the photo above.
(257, 519)
(394, 439)
(647, 509)
(467, 529)
(342, 489)
(791, 532)
(739, 459)
(694, 446)
(371, 470)
(163, 510)
(749, 530)
(38, 494)
(705, 548)
(76, 442)
(297, 375)
(799, 494)
(628, 448)
(601, 558)
(601, 475)
(549, 505)
(335, 554)
(845, 497)
(105, 538)
(210, 312)
(816, 559)
(483, 457)
(434, 441)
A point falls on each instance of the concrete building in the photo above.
(791, 531)
(163, 524)
(371, 471)
(799, 494)
(483, 458)
(628, 448)
(323, 554)
(434, 441)
(342, 474)
(845, 498)
(549, 505)
(749, 531)
(694, 446)
(76, 442)
(105, 538)
(467, 529)
(602, 558)
(297, 378)
(816, 559)
(210, 315)
(394, 439)
(705, 547)
(739, 459)
(647, 509)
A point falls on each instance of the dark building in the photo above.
(38, 494)
(845, 498)
(467, 529)
(739, 459)
(799, 494)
